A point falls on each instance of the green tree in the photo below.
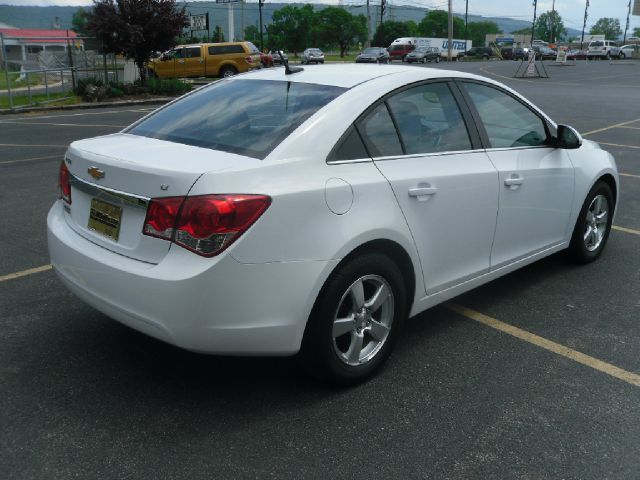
(217, 35)
(388, 32)
(436, 24)
(477, 31)
(79, 22)
(137, 28)
(412, 29)
(292, 28)
(609, 27)
(252, 34)
(336, 26)
(636, 32)
(550, 27)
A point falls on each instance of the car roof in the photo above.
(349, 75)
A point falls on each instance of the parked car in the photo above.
(628, 51)
(506, 53)
(479, 52)
(604, 49)
(424, 55)
(266, 59)
(212, 225)
(400, 51)
(545, 53)
(373, 55)
(275, 54)
(520, 53)
(206, 60)
(312, 55)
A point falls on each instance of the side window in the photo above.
(192, 52)
(429, 119)
(508, 122)
(214, 51)
(350, 147)
(177, 53)
(379, 133)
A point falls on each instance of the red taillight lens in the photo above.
(64, 183)
(249, 59)
(162, 216)
(205, 224)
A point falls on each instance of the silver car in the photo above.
(312, 55)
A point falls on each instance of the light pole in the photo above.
(584, 24)
(260, 2)
(533, 25)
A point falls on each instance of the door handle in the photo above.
(514, 181)
(423, 191)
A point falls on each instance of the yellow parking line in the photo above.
(627, 126)
(64, 124)
(611, 126)
(26, 145)
(618, 145)
(604, 367)
(31, 159)
(626, 230)
(24, 273)
(628, 175)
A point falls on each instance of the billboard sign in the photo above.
(199, 22)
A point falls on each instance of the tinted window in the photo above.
(429, 119)
(248, 117)
(192, 52)
(508, 122)
(225, 49)
(350, 147)
(379, 133)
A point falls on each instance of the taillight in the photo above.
(205, 224)
(64, 183)
(249, 59)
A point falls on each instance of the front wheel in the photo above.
(356, 320)
(593, 226)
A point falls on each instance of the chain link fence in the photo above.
(39, 70)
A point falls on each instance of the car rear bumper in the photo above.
(216, 305)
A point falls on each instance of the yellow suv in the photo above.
(206, 60)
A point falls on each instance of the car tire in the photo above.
(338, 345)
(608, 57)
(438, 59)
(622, 56)
(593, 226)
(227, 71)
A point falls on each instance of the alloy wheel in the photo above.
(596, 222)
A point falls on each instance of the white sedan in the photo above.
(273, 213)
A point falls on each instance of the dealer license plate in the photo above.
(104, 218)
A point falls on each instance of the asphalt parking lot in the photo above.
(533, 376)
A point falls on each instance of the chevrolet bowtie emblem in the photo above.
(96, 173)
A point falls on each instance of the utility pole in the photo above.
(584, 24)
(383, 7)
(624, 39)
(368, 25)
(450, 33)
(533, 25)
(260, 2)
(466, 13)
(553, 17)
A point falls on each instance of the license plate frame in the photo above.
(105, 219)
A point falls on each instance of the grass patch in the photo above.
(351, 57)
(34, 79)
(58, 98)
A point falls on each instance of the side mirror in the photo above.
(568, 137)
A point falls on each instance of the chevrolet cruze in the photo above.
(276, 212)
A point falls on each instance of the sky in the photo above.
(571, 11)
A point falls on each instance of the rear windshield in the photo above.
(596, 44)
(371, 50)
(247, 117)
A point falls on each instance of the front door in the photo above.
(448, 192)
(536, 179)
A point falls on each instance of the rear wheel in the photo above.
(593, 226)
(228, 71)
(356, 320)
(438, 59)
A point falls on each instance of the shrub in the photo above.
(167, 87)
(83, 83)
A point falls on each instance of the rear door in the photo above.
(536, 179)
(447, 189)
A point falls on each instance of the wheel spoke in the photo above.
(357, 294)
(597, 205)
(602, 218)
(353, 354)
(588, 233)
(343, 325)
(378, 330)
(378, 299)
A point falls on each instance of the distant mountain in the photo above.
(244, 14)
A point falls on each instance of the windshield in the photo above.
(314, 50)
(247, 117)
(422, 49)
(371, 50)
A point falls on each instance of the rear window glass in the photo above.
(225, 49)
(596, 44)
(247, 117)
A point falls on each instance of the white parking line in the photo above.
(619, 145)
(30, 145)
(36, 117)
(604, 129)
(628, 175)
(64, 124)
(557, 348)
(625, 230)
(59, 157)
